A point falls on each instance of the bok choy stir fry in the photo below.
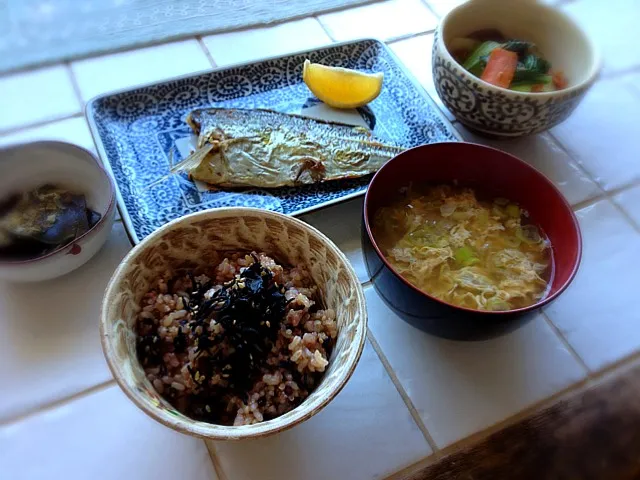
(508, 63)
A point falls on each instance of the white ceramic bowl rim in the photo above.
(102, 171)
(213, 431)
(595, 56)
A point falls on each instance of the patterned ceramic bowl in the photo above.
(497, 111)
(186, 242)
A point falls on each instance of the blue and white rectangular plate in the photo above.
(138, 131)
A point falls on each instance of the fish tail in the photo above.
(185, 165)
(192, 160)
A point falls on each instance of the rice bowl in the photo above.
(190, 243)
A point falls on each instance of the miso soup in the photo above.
(478, 254)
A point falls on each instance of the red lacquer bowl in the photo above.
(492, 173)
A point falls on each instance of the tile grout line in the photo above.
(58, 403)
(213, 454)
(324, 28)
(588, 202)
(624, 213)
(74, 84)
(579, 164)
(431, 9)
(563, 339)
(206, 51)
(401, 38)
(605, 194)
(408, 36)
(403, 394)
(41, 123)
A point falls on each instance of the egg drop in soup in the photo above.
(482, 255)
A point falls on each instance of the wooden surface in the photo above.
(593, 434)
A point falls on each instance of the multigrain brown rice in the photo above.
(236, 345)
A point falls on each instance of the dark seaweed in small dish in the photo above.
(37, 222)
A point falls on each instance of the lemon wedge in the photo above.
(341, 87)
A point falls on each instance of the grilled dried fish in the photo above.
(267, 149)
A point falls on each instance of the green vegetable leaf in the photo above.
(475, 61)
(521, 47)
(497, 304)
(527, 78)
(513, 210)
(465, 256)
(525, 87)
(534, 63)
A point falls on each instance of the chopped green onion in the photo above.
(497, 304)
(513, 210)
(465, 256)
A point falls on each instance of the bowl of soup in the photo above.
(509, 69)
(463, 240)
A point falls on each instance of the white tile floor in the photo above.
(72, 130)
(599, 314)
(442, 7)
(236, 47)
(102, 436)
(342, 224)
(459, 388)
(119, 70)
(368, 412)
(36, 96)
(383, 20)
(629, 200)
(602, 134)
(51, 426)
(44, 339)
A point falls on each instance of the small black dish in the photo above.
(493, 173)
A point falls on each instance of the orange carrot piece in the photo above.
(537, 88)
(559, 80)
(500, 68)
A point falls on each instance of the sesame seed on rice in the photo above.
(241, 342)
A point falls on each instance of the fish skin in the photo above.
(268, 149)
